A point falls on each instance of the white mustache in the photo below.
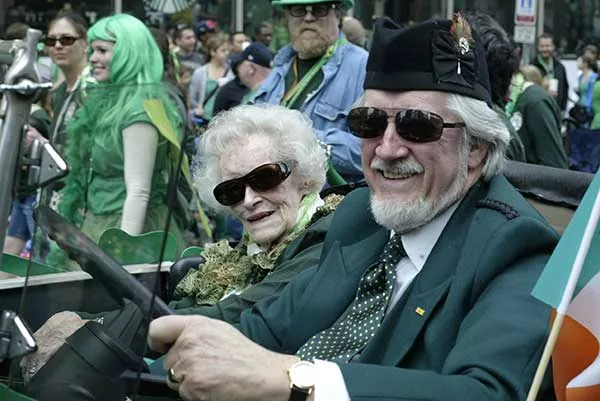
(398, 167)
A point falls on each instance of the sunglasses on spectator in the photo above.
(411, 124)
(261, 179)
(317, 10)
(63, 40)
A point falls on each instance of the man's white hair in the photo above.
(483, 126)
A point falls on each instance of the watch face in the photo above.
(303, 374)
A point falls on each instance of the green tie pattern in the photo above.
(347, 337)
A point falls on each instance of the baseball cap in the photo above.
(257, 53)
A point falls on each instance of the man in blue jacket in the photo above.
(321, 74)
(423, 287)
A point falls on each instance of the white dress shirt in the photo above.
(418, 244)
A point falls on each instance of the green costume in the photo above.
(106, 189)
(536, 117)
(467, 328)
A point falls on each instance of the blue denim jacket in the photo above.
(329, 105)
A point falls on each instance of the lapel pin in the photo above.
(420, 311)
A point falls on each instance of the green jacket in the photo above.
(300, 255)
(536, 118)
(482, 333)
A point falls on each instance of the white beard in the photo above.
(402, 217)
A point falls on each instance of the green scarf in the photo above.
(229, 270)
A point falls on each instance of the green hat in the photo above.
(346, 4)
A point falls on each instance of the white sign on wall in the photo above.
(524, 33)
(525, 12)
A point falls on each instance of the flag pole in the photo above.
(567, 296)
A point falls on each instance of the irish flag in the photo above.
(570, 283)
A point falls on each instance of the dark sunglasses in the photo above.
(261, 179)
(317, 10)
(63, 40)
(411, 124)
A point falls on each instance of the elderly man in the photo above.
(423, 287)
(321, 74)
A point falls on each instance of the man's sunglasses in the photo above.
(411, 124)
(63, 40)
(317, 10)
(261, 179)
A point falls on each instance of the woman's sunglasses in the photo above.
(63, 40)
(411, 124)
(263, 178)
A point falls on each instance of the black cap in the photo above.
(258, 53)
(442, 55)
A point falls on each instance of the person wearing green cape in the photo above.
(124, 137)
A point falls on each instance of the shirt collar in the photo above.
(419, 243)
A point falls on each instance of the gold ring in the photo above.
(171, 376)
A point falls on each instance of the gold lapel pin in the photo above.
(420, 311)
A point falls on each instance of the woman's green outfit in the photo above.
(95, 190)
(232, 280)
(106, 186)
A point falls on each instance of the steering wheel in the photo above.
(118, 282)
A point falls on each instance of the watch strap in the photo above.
(299, 394)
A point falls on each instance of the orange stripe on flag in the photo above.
(575, 350)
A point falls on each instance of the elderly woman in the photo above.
(265, 166)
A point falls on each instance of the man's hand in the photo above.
(50, 337)
(211, 360)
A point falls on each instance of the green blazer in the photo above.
(481, 334)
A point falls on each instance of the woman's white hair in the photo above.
(483, 125)
(289, 130)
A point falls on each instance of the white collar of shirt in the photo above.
(419, 243)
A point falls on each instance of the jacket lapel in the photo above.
(333, 287)
(345, 257)
(402, 325)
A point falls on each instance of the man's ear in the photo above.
(477, 154)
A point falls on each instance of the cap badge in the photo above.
(462, 37)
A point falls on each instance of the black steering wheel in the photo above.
(119, 283)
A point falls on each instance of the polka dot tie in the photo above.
(348, 336)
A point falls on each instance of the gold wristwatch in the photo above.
(302, 380)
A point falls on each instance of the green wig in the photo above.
(136, 68)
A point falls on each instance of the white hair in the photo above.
(289, 130)
(483, 126)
